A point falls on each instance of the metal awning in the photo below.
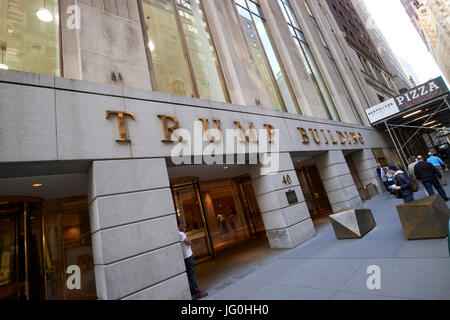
(414, 114)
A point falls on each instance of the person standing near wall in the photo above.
(186, 245)
(439, 165)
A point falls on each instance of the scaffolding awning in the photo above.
(423, 109)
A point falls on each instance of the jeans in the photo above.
(409, 198)
(190, 271)
(431, 182)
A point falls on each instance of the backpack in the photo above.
(414, 184)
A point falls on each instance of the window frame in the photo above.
(186, 54)
(302, 43)
(277, 54)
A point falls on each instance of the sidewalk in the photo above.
(327, 268)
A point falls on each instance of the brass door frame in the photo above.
(194, 183)
(26, 215)
(304, 171)
(240, 182)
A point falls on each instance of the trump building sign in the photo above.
(414, 97)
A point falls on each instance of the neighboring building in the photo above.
(410, 72)
(399, 77)
(372, 71)
(105, 124)
(433, 20)
(410, 7)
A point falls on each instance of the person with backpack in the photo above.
(429, 175)
(402, 184)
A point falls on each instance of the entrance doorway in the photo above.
(38, 241)
(21, 272)
(217, 214)
(314, 192)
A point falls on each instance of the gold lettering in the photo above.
(244, 135)
(304, 135)
(361, 139)
(354, 137)
(122, 125)
(206, 128)
(315, 135)
(169, 130)
(333, 140)
(269, 129)
(348, 138)
(324, 136)
(341, 137)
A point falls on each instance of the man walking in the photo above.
(402, 184)
(428, 174)
(190, 265)
(438, 164)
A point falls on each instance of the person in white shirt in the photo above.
(190, 264)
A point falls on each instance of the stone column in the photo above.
(137, 253)
(287, 226)
(366, 165)
(338, 181)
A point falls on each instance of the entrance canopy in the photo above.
(424, 109)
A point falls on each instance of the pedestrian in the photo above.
(388, 180)
(428, 174)
(412, 163)
(439, 164)
(186, 245)
(402, 185)
(232, 219)
(222, 223)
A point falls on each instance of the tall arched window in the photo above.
(334, 65)
(309, 61)
(266, 57)
(183, 54)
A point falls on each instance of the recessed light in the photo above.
(225, 167)
(44, 15)
(37, 185)
(3, 66)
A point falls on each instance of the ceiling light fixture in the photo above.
(37, 185)
(44, 14)
(411, 114)
(428, 123)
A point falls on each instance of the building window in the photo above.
(182, 50)
(29, 36)
(308, 60)
(334, 65)
(266, 57)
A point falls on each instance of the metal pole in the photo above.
(392, 138)
(402, 154)
(426, 122)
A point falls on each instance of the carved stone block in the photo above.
(354, 223)
(424, 218)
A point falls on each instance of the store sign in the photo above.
(418, 95)
(214, 133)
(382, 110)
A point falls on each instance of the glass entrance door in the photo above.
(250, 206)
(190, 213)
(21, 268)
(314, 192)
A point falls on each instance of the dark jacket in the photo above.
(402, 180)
(425, 169)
